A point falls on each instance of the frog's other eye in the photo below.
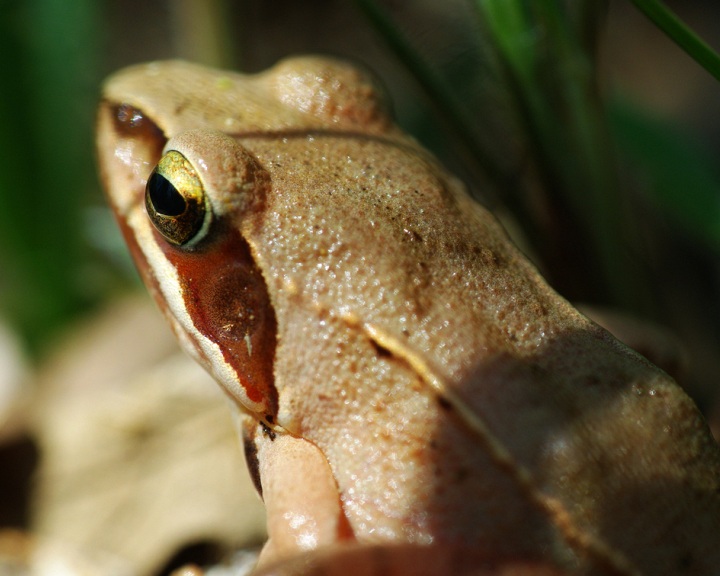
(176, 201)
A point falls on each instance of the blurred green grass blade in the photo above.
(548, 59)
(512, 32)
(683, 36)
(511, 29)
(48, 54)
(680, 175)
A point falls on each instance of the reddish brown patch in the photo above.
(227, 298)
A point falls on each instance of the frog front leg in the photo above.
(298, 488)
(309, 533)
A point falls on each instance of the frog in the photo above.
(401, 374)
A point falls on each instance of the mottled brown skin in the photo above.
(443, 394)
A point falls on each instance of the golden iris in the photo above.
(175, 200)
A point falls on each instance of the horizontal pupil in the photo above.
(164, 196)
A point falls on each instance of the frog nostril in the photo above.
(164, 196)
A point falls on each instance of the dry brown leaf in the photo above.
(139, 453)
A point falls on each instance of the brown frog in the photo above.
(402, 374)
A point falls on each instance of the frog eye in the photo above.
(176, 202)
